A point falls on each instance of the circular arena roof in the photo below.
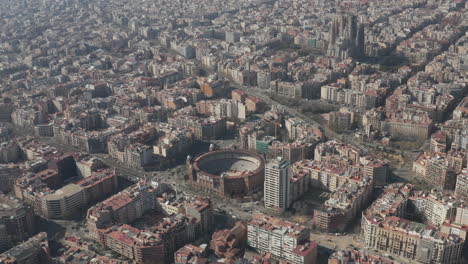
(229, 163)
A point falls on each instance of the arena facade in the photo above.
(230, 173)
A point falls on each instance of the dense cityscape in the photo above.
(237, 132)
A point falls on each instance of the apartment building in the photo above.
(202, 210)
(286, 241)
(139, 246)
(8, 174)
(437, 169)
(203, 129)
(343, 206)
(5, 240)
(35, 250)
(461, 187)
(228, 108)
(122, 208)
(385, 227)
(348, 175)
(277, 192)
(62, 203)
(377, 169)
(350, 256)
(9, 152)
(45, 193)
(408, 128)
(17, 218)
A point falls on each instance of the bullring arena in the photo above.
(227, 172)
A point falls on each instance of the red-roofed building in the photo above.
(439, 142)
(202, 210)
(140, 246)
(305, 253)
(230, 243)
(191, 254)
(124, 207)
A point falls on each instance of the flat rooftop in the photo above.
(67, 190)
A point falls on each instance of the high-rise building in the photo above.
(461, 188)
(438, 169)
(8, 174)
(9, 152)
(377, 169)
(5, 240)
(5, 112)
(277, 192)
(18, 218)
(33, 251)
(201, 210)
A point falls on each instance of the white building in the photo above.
(276, 188)
(284, 240)
(228, 108)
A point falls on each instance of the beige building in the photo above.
(288, 89)
(63, 202)
(461, 188)
(123, 207)
(436, 169)
(86, 165)
(403, 128)
(173, 145)
(384, 227)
